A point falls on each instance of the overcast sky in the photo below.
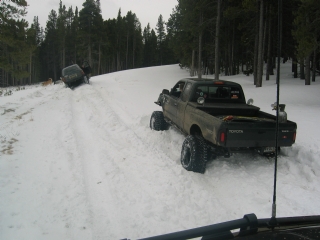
(147, 11)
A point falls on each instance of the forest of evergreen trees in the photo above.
(206, 36)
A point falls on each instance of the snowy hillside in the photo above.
(84, 164)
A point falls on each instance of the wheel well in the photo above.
(195, 130)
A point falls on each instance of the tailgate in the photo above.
(260, 135)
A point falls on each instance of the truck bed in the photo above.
(245, 125)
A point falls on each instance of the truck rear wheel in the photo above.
(157, 121)
(194, 154)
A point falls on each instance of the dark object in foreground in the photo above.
(73, 75)
(305, 227)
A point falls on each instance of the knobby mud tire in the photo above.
(194, 154)
(157, 121)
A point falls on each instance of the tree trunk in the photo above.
(260, 54)
(118, 61)
(263, 47)
(256, 48)
(99, 61)
(295, 67)
(269, 57)
(75, 54)
(314, 65)
(200, 46)
(64, 53)
(89, 56)
(54, 61)
(6, 82)
(133, 50)
(226, 62)
(127, 50)
(317, 62)
(192, 63)
(307, 80)
(217, 58)
(199, 55)
(302, 76)
(54, 70)
(232, 62)
(30, 67)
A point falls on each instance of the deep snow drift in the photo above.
(84, 164)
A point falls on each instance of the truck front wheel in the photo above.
(157, 121)
(194, 154)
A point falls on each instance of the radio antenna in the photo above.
(273, 220)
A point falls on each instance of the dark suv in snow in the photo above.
(74, 75)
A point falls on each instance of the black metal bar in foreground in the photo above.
(248, 222)
(248, 225)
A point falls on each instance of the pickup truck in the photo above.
(218, 122)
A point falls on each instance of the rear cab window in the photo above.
(218, 93)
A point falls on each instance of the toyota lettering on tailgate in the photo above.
(235, 131)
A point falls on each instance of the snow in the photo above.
(84, 164)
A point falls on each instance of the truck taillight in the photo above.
(222, 137)
(294, 137)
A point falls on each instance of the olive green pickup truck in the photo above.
(218, 122)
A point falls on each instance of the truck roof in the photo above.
(213, 81)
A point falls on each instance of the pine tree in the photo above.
(161, 36)
(34, 40)
(61, 34)
(90, 22)
(14, 51)
(146, 49)
(153, 47)
(119, 40)
(137, 44)
(51, 45)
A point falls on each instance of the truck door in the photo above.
(170, 107)
(182, 104)
(171, 102)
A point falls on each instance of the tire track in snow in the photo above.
(46, 204)
(112, 154)
(74, 217)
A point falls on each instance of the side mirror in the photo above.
(165, 91)
(250, 101)
(200, 100)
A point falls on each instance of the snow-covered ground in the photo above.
(84, 164)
